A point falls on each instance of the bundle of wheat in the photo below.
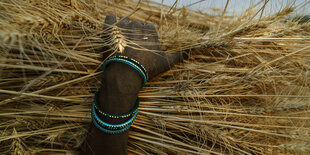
(244, 89)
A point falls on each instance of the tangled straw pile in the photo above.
(244, 90)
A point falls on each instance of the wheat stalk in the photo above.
(245, 91)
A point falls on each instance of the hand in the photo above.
(143, 45)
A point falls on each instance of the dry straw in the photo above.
(244, 90)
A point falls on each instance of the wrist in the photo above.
(116, 97)
(121, 87)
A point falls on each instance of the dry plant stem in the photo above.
(39, 96)
(221, 20)
(244, 92)
(48, 88)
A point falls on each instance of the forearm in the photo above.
(117, 95)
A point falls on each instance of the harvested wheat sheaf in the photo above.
(245, 88)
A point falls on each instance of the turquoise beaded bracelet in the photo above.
(132, 111)
(118, 128)
(134, 61)
(112, 126)
(108, 130)
(131, 62)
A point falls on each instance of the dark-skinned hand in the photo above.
(121, 83)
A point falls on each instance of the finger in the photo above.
(123, 22)
(174, 58)
(106, 51)
(136, 24)
(165, 61)
(124, 19)
(150, 27)
(151, 35)
(110, 19)
(136, 30)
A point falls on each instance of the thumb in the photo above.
(176, 57)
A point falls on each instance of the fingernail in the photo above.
(136, 24)
(150, 26)
(110, 19)
(126, 20)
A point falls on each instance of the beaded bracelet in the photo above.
(130, 63)
(134, 61)
(112, 126)
(118, 128)
(132, 111)
(111, 131)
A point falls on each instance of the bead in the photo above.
(131, 62)
(95, 116)
(108, 130)
(132, 111)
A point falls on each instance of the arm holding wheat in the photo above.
(121, 83)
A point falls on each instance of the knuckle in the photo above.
(110, 19)
(149, 26)
(136, 24)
